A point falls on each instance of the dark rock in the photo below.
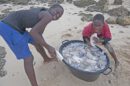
(2, 61)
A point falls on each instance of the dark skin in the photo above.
(38, 29)
(42, 52)
(36, 32)
(97, 29)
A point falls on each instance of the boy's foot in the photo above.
(49, 60)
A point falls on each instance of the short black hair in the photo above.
(98, 17)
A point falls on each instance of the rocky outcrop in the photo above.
(69, 1)
(15, 1)
(111, 20)
(118, 2)
(83, 3)
(2, 61)
(120, 11)
(100, 6)
(123, 20)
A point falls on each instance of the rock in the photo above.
(102, 5)
(4, 1)
(2, 16)
(86, 17)
(93, 8)
(55, 1)
(111, 20)
(118, 2)
(23, 2)
(2, 61)
(83, 3)
(6, 10)
(69, 1)
(2, 52)
(2, 73)
(120, 11)
(123, 20)
(44, 1)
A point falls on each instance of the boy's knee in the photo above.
(29, 59)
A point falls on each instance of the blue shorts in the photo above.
(17, 42)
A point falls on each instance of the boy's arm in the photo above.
(37, 31)
(86, 40)
(104, 40)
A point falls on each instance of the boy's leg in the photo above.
(29, 69)
(111, 51)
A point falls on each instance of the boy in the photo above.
(13, 30)
(99, 26)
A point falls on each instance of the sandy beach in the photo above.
(69, 27)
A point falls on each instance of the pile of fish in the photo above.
(79, 56)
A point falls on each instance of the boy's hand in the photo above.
(52, 51)
(98, 40)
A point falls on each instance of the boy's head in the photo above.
(56, 11)
(98, 22)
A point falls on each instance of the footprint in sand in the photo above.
(121, 31)
(112, 26)
(66, 35)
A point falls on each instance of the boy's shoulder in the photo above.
(89, 25)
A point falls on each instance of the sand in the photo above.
(69, 27)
